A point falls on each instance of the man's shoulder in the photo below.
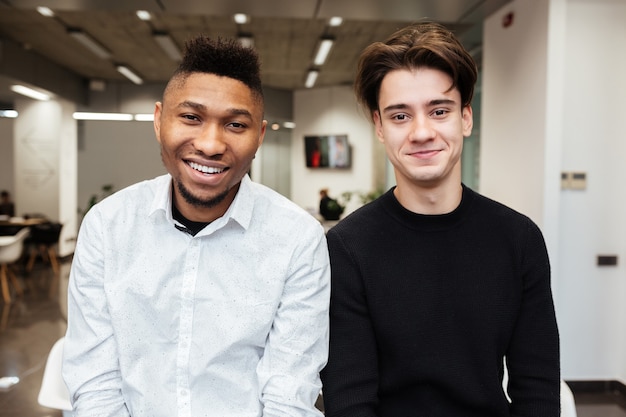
(139, 195)
(274, 205)
(502, 216)
(491, 207)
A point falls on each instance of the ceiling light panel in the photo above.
(130, 74)
(29, 92)
(168, 45)
(90, 43)
(323, 49)
(311, 78)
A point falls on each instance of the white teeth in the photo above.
(205, 169)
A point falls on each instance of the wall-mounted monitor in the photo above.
(328, 151)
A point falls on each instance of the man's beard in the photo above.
(195, 201)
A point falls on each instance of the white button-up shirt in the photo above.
(230, 322)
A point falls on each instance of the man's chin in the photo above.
(200, 201)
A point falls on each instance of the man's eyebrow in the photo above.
(441, 101)
(192, 104)
(201, 107)
(240, 112)
(431, 103)
(395, 107)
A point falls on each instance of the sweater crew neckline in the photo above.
(428, 222)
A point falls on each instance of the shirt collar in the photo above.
(240, 209)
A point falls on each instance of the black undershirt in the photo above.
(191, 227)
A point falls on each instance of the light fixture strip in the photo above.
(323, 50)
(90, 43)
(29, 92)
(311, 78)
(144, 117)
(128, 73)
(102, 116)
(10, 114)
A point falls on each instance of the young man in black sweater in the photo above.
(435, 288)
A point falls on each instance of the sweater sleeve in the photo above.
(350, 379)
(533, 353)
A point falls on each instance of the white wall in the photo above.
(6, 155)
(553, 89)
(44, 141)
(593, 304)
(116, 153)
(332, 111)
(514, 107)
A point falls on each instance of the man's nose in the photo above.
(212, 139)
(422, 128)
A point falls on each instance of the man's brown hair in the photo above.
(422, 45)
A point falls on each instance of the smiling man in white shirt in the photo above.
(200, 292)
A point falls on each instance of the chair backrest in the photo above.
(46, 233)
(53, 392)
(11, 247)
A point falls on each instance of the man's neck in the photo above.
(440, 199)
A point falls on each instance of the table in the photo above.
(15, 224)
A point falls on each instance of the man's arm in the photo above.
(533, 355)
(297, 346)
(351, 376)
(90, 358)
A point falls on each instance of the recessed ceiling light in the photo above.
(241, 18)
(335, 21)
(144, 15)
(45, 11)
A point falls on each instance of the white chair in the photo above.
(568, 405)
(53, 392)
(11, 248)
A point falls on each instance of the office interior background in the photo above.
(549, 137)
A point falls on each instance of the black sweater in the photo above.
(425, 307)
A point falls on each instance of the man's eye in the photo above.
(190, 117)
(400, 117)
(237, 125)
(440, 112)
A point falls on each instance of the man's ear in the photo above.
(378, 124)
(467, 120)
(158, 107)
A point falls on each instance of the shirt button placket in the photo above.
(185, 328)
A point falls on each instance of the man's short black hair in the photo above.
(222, 57)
